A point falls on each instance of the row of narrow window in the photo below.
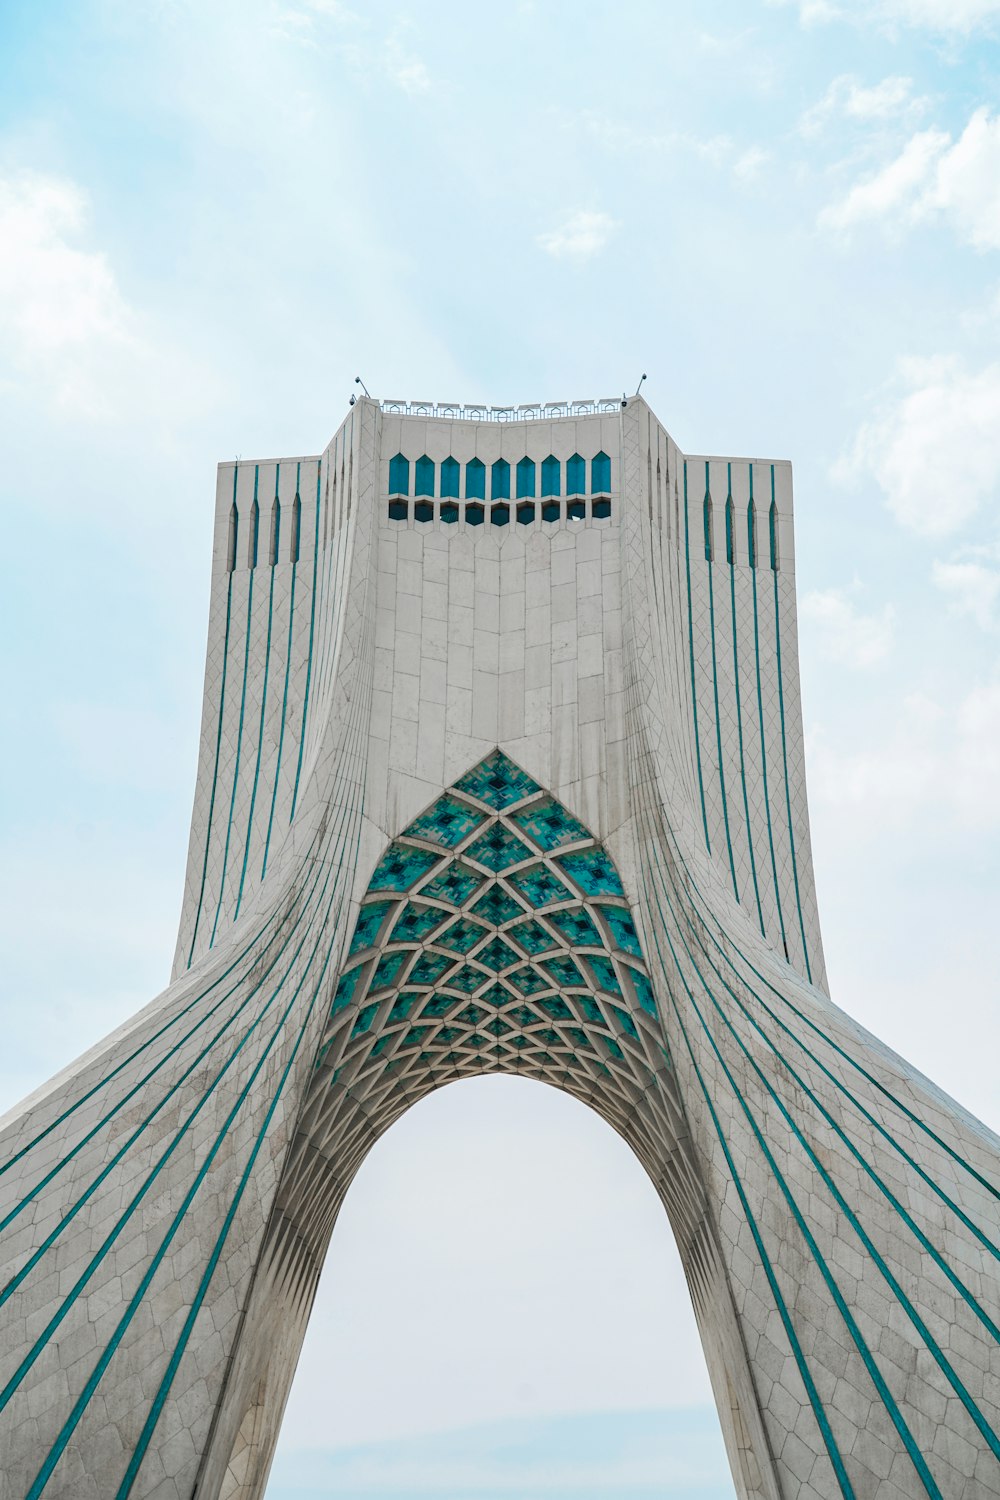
(499, 514)
(253, 539)
(525, 475)
(731, 549)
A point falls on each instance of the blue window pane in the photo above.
(500, 481)
(772, 528)
(707, 518)
(500, 515)
(475, 479)
(526, 513)
(600, 509)
(449, 513)
(424, 484)
(576, 510)
(600, 474)
(399, 475)
(550, 475)
(423, 510)
(525, 479)
(576, 475)
(449, 479)
(551, 510)
(399, 510)
(473, 515)
(730, 540)
(752, 534)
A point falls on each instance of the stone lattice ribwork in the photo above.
(501, 771)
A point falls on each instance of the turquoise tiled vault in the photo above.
(494, 785)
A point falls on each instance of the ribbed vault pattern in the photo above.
(495, 937)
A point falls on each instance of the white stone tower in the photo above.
(501, 771)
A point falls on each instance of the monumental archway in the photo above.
(494, 937)
(515, 782)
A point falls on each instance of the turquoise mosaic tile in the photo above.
(369, 921)
(603, 971)
(462, 935)
(496, 995)
(429, 968)
(528, 980)
(400, 867)
(593, 872)
(449, 1034)
(448, 822)
(564, 972)
(497, 955)
(498, 849)
(577, 928)
(612, 1046)
(643, 991)
(539, 886)
(580, 1039)
(549, 825)
(523, 1015)
(471, 1015)
(404, 1005)
(414, 922)
(437, 1006)
(556, 1008)
(466, 979)
(590, 1010)
(345, 990)
(497, 906)
(365, 1019)
(388, 967)
(497, 1027)
(497, 782)
(625, 1020)
(622, 928)
(455, 883)
(415, 1037)
(532, 937)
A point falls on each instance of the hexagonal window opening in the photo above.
(500, 515)
(525, 513)
(474, 515)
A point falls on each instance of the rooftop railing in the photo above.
(532, 411)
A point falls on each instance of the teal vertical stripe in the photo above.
(263, 719)
(763, 746)
(218, 748)
(739, 717)
(309, 662)
(784, 756)
(239, 734)
(709, 568)
(694, 687)
(284, 696)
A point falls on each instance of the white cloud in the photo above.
(943, 759)
(848, 98)
(65, 326)
(403, 68)
(971, 581)
(846, 634)
(584, 234)
(958, 17)
(55, 295)
(750, 163)
(934, 449)
(934, 179)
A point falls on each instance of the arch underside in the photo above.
(495, 937)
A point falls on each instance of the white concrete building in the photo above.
(501, 770)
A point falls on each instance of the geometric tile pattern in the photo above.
(538, 1008)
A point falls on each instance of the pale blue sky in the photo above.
(212, 216)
